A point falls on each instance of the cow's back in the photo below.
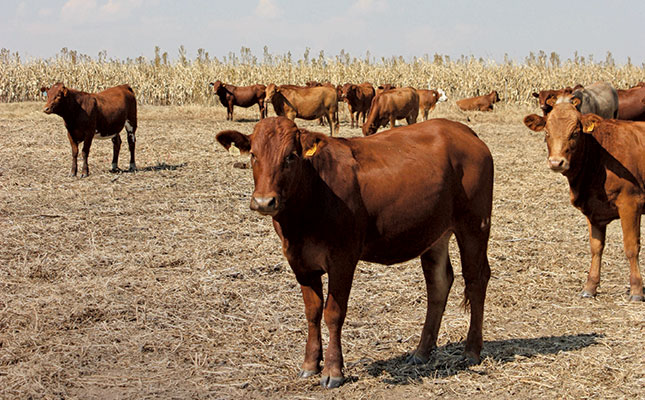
(311, 102)
(624, 143)
(398, 102)
(599, 98)
(115, 106)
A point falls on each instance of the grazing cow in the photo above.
(479, 103)
(604, 164)
(305, 102)
(358, 99)
(242, 96)
(391, 105)
(384, 87)
(630, 106)
(428, 99)
(547, 98)
(95, 115)
(386, 199)
(600, 99)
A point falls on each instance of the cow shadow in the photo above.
(447, 360)
(247, 120)
(162, 166)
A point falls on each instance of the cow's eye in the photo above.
(290, 158)
(574, 135)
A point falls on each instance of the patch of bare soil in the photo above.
(163, 284)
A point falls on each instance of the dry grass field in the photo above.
(163, 284)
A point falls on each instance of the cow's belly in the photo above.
(101, 136)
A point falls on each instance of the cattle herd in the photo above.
(402, 193)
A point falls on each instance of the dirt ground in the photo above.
(164, 284)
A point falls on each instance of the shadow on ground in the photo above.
(447, 360)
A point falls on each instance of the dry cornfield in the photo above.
(163, 284)
(184, 82)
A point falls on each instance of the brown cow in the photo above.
(321, 120)
(95, 115)
(630, 106)
(305, 102)
(547, 98)
(391, 105)
(384, 87)
(604, 164)
(428, 99)
(242, 96)
(479, 103)
(335, 201)
(358, 99)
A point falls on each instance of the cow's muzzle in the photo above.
(558, 164)
(268, 205)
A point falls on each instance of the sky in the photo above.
(487, 29)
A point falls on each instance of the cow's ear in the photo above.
(536, 95)
(228, 137)
(551, 100)
(589, 122)
(43, 89)
(534, 122)
(311, 143)
(576, 101)
(64, 91)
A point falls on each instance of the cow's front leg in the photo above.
(116, 148)
(85, 171)
(340, 284)
(74, 145)
(597, 235)
(630, 220)
(312, 295)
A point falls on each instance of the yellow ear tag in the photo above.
(312, 150)
(234, 151)
(589, 128)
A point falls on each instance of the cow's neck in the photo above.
(72, 108)
(584, 169)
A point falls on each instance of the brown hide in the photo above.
(95, 115)
(479, 103)
(427, 101)
(359, 99)
(604, 165)
(386, 198)
(242, 96)
(630, 106)
(305, 102)
(391, 105)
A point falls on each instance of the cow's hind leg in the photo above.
(437, 271)
(131, 128)
(472, 238)
(116, 148)
(630, 220)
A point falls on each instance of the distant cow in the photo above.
(321, 120)
(428, 99)
(384, 87)
(305, 102)
(600, 99)
(391, 105)
(386, 199)
(242, 96)
(547, 98)
(358, 99)
(95, 115)
(630, 106)
(479, 103)
(604, 164)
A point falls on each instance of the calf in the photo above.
(305, 102)
(391, 105)
(428, 99)
(479, 103)
(336, 201)
(95, 115)
(242, 96)
(358, 99)
(604, 164)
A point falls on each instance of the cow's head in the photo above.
(564, 129)
(281, 156)
(216, 85)
(494, 96)
(56, 98)
(548, 98)
(270, 91)
(442, 96)
(346, 89)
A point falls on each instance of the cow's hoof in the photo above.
(306, 374)
(115, 170)
(133, 168)
(84, 175)
(587, 295)
(469, 359)
(636, 298)
(331, 382)
(415, 359)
